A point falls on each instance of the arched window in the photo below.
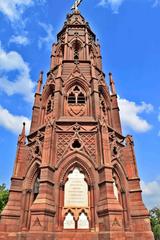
(72, 98)
(76, 96)
(83, 222)
(50, 103)
(103, 107)
(81, 98)
(120, 194)
(49, 106)
(115, 189)
(76, 50)
(69, 222)
(76, 54)
(36, 187)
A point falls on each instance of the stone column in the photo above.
(43, 208)
(109, 209)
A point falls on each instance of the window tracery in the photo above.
(76, 96)
(49, 106)
(102, 105)
(76, 54)
(76, 50)
(50, 103)
(81, 98)
(71, 98)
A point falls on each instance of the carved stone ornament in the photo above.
(129, 140)
(115, 148)
(49, 119)
(51, 79)
(37, 223)
(116, 223)
(77, 110)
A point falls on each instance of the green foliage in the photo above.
(4, 193)
(155, 222)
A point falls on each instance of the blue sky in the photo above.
(129, 34)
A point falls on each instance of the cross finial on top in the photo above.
(75, 5)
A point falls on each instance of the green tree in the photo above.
(4, 193)
(155, 222)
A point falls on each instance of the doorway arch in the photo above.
(83, 210)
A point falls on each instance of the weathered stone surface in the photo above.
(75, 129)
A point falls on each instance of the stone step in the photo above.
(76, 236)
(82, 235)
(8, 236)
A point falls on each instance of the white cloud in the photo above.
(12, 122)
(19, 39)
(14, 9)
(49, 38)
(130, 115)
(156, 3)
(114, 4)
(22, 84)
(151, 193)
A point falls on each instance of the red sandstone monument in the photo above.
(75, 175)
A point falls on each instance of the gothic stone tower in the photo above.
(75, 176)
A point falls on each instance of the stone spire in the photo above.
(40, 81)
(112, 84)
(22, 136)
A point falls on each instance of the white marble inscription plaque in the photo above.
(76, 190)
(69, 222)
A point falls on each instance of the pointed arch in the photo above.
(30, 193)
(80, 102)
(83, 221)
(78, 39)
(77, 48)
(32, 173)
(48, 90)
(102, 90)
(76, 81)
(60, 49)
(76, 159)
(65, 168)
(119, 169)
(69, 221)
(120, 179)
